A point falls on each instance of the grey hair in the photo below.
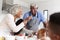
(14, 9)
(33, 4)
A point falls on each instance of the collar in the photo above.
(32, 15)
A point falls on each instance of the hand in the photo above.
(27, 19)
(34, 33)
(25, 22)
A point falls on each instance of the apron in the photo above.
(33, 24)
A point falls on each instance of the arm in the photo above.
(42, 19)
(45, 24)
(25, 16)
(11, 24)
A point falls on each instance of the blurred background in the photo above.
(50, 5)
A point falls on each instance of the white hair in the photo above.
(33, 5)
(14, 9)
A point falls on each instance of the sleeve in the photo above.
(12, 25)
(25, 16)
(42, 18)
(19, 21)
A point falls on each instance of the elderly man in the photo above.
(37, 17)
(53, 28)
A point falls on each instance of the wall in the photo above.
(1, 6)
(0, 9)
(9, 1)
(51, 5)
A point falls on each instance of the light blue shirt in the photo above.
(35, 21)
(39, 16)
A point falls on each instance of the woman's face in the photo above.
(19, 13)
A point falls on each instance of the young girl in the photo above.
(41, 35)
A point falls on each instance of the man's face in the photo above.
(33, 9)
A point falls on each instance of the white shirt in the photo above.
(8, 25)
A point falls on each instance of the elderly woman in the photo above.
(7, 25)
